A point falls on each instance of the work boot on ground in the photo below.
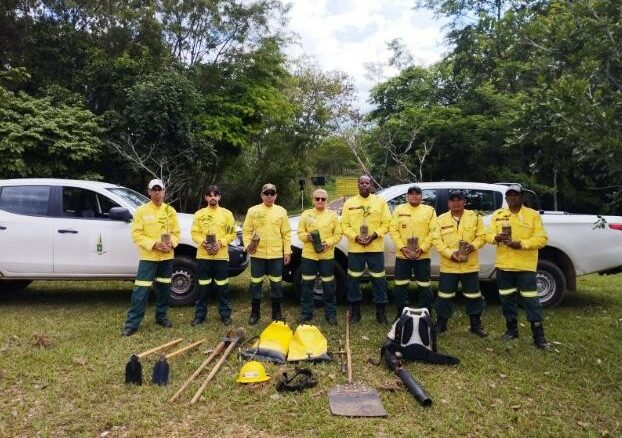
(512, 330)
(128, 331)
(538, 336)
(476, 326)
(355, 312)
(303, 319)
(440, 326)
(197, 321)
(381, 317)
(331, 320)
(252, 320)
(276, 310)
(166, 323)
(226, 320)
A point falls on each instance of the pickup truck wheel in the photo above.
(12, 286)
(183, 290)
(551, 283)
(318, 290)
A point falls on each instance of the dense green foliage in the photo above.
(531, 92)
(201, 92)
(195, 92)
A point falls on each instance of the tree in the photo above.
(42, 138)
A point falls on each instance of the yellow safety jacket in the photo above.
(327, 223)
(213, 220)
(373, 211)
(148, 225)
(409, 221)
(528, 229)
(450, 232)
(272, 226)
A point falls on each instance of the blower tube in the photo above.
(411, 384)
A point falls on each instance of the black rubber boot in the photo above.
(381, 317)
(276, 310)
(538, 336)
(441, 325)
(252, 320)
(355, 312)
(476, 326)
(512, 330)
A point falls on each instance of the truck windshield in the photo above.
(134, 198)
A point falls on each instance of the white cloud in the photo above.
(346, 35)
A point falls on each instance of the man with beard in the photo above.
(213, 228)
(460, 234)
(365, 220)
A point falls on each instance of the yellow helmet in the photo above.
(252, 372)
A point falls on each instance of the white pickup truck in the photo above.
(79, 230)
(578, 244)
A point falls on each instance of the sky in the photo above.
(346, 35)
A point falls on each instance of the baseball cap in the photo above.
(413, 189)
(455, 193)
(155, 183)
(515, 188)
(267, 187)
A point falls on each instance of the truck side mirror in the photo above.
(120, 214)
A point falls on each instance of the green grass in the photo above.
(62, 371)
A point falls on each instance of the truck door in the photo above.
(86, 241)
(25, 230)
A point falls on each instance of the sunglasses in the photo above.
(269, 193)
(320, 199)
(156, 189)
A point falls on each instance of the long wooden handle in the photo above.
(216, 352)
(184, 349)
(348, 352)
(160, 347)
(212, 373)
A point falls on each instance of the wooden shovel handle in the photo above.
(184, 349)
(160, 347)
(348, 352)
(219, 348)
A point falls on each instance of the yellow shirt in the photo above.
(527, 228)
(148, 225)
(327, 223)
(450, 232)
(272, 226)
(213, 220)
(372, 211)
(409, 221)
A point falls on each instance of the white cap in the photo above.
(155, 182)
(515, 188)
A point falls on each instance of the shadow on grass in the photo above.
(67, 292)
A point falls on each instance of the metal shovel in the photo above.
(354, 399)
